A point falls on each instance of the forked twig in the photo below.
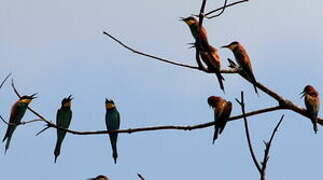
(260, 167)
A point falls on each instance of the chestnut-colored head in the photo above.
(214, 100)
(310, 90)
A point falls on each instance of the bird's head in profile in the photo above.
(309, 90)
(67, 102)
(232, 45)
(27, 99)
(214, 100)
(189, 20)
(109, 104)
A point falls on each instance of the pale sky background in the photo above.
(57, 48)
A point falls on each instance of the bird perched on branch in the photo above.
(100, 177)
(112, 120)
(243, 60)
(312, 103)
(63, 120)
(200, 36)
(212, 59)
(194, 26)
(222, 111)
(17, 112)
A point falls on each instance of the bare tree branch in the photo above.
(222, 8)
(267, 149)
(242, 104)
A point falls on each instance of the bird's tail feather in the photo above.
(113, 140)
(216, 133)
(314, 121)
(57, 150)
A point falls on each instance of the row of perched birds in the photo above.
(222, 108)
(63, 120)
(212, 60)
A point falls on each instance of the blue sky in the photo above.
(57, 48)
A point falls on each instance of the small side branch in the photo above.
(242, 104)
(207, 15)
(5, 79)
(267, 149)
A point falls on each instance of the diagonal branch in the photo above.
(242, 104)
(267, 149)
(163, 59)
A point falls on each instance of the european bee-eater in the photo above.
(100, 177)
(194, 25)
(63, 120)
(112, 120)
(243, 60)
(211, 58)
(222, 111)
(312, 103)
(17, 112)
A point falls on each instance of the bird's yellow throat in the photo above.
(27, 101)
(110, 105)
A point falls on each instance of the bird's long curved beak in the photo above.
(33, 96)
(226, 46)
(181, 19)
(302, 94)
(70, 97)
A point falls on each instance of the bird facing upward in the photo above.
(17, 112)
(243, 60)
(222, 110)
(312, 103)
(63, 119)
(112, 120)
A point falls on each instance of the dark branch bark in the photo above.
(242, 104)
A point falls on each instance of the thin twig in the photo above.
(5, 79)
(242, 104)
(221, 8)
(267, 149)
(140, 176)
(222, 11)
